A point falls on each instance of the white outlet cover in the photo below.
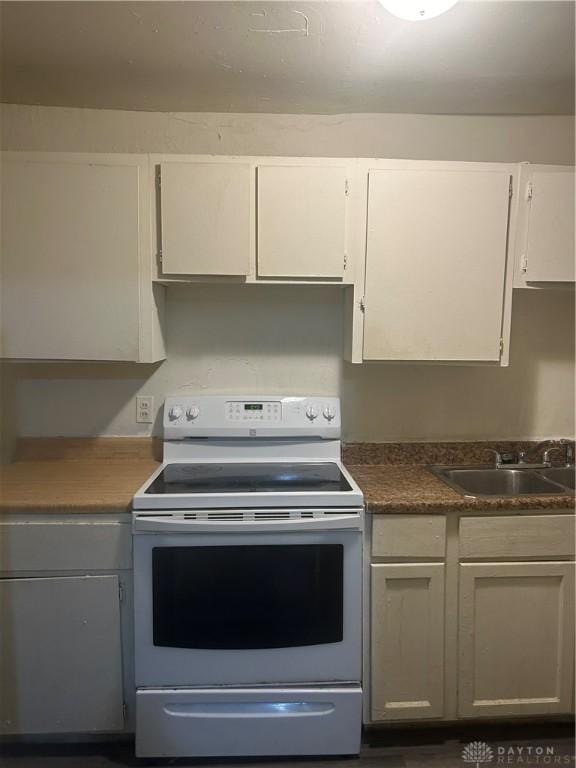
(144, 409)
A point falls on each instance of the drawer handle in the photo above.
(250, 709)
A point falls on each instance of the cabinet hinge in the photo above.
(121, 591)
(510, 188)
(524, 263)
(362, 305)
(346, 187)
(345, 259)
(160, 255)
(529, 191)
(501, 346)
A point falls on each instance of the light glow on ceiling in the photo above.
(417, 10)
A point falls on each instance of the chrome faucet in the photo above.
(568, 446)
(503, 459)
(521, 459)
(563, 444)
(570, 453)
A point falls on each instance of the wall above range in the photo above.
(263, 338)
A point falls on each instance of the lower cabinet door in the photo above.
(407, 641)
(60, 655)
(516, 645)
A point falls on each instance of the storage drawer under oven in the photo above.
(267, 721)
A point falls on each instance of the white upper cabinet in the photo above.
(206, 215)
(76, 262)
(301, 221)
(545, 252)
(435, 284)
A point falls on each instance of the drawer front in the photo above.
(409, 536)
(541, 536)
(65, 546)
(248, 722)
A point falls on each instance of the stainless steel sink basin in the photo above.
(488, 481)
(562, 475)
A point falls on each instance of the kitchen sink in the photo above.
(562, 475)
(488, 481)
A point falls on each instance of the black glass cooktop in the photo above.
(248, 478)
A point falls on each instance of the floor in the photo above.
(517, 745)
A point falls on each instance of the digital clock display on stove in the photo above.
(253, 406)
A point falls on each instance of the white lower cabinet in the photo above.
(516, 638)
(455, 639)
(66, 625)
(60, 655)
(407, 641)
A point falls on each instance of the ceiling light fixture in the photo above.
(417, 10)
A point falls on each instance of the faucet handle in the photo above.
(568, 446)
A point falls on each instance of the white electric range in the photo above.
(247, 581)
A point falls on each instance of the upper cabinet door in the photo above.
(76, 267)
(436, 264)
(301, 221)
(206, 216)
(549, 240)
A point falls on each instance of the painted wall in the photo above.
(258, 339)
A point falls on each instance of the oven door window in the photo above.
(248, 597)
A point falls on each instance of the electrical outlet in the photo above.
(144, 408)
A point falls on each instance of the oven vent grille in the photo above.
(261, 514)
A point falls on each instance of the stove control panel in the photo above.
(269, 410)
(232, 416)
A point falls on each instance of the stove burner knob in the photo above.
(174, 413)
(192, 413)
(311, 413)
(328, 413)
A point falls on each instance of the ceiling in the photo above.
(289, 57)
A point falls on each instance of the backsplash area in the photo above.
(288, 339)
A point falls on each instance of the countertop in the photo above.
(63, 486)
(404, 488)
(76, 475)
(101, 476)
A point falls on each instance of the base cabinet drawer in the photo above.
(65, 546)
(409, 536)
(407, 641)
(238, 722)
(516, 639)
(517, 537)
(60, 655)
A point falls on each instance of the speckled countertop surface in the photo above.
(101, 475)
(404, 488)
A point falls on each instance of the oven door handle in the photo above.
(178, 524)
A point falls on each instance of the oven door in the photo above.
(247, 608)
